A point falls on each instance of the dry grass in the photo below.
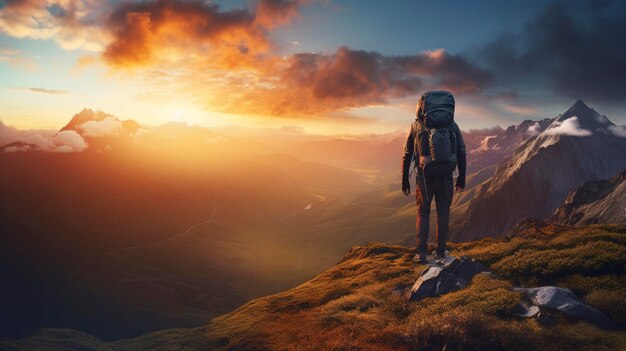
(358, 304)
(590, 251)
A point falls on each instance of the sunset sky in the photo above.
(325, 66)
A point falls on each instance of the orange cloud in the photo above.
(150, 32)
(310, 84)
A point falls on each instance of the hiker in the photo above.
(436, 147)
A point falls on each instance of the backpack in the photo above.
(436, 138)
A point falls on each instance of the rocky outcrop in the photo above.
(454, 274)
(563, 300)
(596, 201)
(450, 275)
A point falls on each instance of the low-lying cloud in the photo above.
(569, 127)
(41, 140)
(619, 131)
(534, 129)
(107, 126)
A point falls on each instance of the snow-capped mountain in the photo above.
(577, 146)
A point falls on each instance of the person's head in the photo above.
(419, 108)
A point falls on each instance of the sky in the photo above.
(326, 66)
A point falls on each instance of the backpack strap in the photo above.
(453, 145)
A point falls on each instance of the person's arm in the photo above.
(461, 159)
(407, 157)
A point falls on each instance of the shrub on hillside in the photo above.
(484, 295)
(593, 258)
(611, 302)
(465, 330)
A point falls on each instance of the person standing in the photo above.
(435, 146)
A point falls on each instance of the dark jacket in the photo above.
(411, 149)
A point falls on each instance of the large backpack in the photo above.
(436, 139)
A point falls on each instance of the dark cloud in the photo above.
(354, 73)
(575, 48)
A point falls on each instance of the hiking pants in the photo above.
(440, 187)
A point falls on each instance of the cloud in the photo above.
(271, 13)
(225, 60)
(69, 141)
(41, 140)
(619, 131)
(575, 49)
(64, 141)
(70, 23)
(149, 32)
(6, 54)
(569, 126)
(309, 84)
(48, 91)
(107, 126)
(534, 129)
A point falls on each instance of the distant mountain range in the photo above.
(556, 156)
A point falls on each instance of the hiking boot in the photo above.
(420, 258)
(440, 256)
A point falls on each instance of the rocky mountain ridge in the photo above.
(596, 201)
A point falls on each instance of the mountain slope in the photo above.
(596, 201)
(577, 146)
(359, 304)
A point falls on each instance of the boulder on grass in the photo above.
(450, 275)
(564, 301)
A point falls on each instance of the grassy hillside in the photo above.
(358, 304)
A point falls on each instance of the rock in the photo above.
(450, 275)
(563, 300)
(523, 309)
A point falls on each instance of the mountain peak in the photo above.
(587, 117)
(579, 108)
(580, 104)
(85, 115)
